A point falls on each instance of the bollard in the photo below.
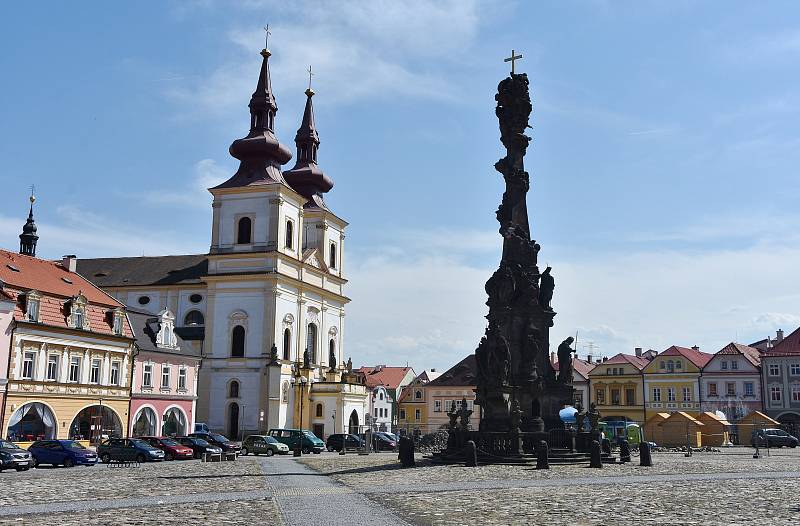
(406, 452)
(470, 454)
(596, 460)
(605, 446)
(645, 459)
(298, 451)
(542, 462)
(624, 451)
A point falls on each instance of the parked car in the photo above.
(258, 444)
(221, 441)
(172, 448)
(383, 442)
(65, 453)
(772, 438)
(337, 440)
(200, 427)
(13, 457)
(309, 442)
(128, 449)
(199, 446)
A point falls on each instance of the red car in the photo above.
(172, 448)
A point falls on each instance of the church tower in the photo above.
(275, 279)
(28, 237)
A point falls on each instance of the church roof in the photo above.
(146, 326)
(145, 270)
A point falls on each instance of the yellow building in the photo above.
(671, 381)
(617, 388)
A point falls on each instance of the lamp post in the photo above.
(333, 426)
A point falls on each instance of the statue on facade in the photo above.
(332, 359)
(306, 360)
(565, 360)
(349, 366)
(273, 354)
(547, 285)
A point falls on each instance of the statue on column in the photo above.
(547, 285)
(565, 360)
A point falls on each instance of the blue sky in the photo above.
(664, 155)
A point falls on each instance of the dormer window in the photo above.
(166, 330)
(32, 303)
(244, 231)
(118, 321)
(77, 318)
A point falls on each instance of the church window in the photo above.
(289, 234)
(237, 342)
(311, 342)
(244, 231)
(332, 257)
(194, 318)
(196, 298)
(332, 353)
(233, 389)
(287, 344)
(318, 412)
(143, 300)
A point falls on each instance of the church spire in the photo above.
(306, 177)
(260, 153)
(28, 237)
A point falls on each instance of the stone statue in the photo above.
(273, 354)
(350, 366)
(516, 416)
(332, 359)
(594, 418)
(580, 417)
(530, 352)
(565, 361)
(453, 415)
(546, 286)
(306, 360)
(464, 413)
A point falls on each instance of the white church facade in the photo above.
(266, 304)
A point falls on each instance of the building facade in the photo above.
(780, 377)
(165, 371)
(385, 383)
(731, 382)
(672, 381)
(67, 349)
(274, 276)
(617, 387)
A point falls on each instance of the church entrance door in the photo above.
(233, 421)
(353, 426)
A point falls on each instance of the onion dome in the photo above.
(306, 178)
(28, 237)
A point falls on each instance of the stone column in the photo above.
(323, 336)
(41, 363)
(123, 372)
(64, 372)
(86, 366)
(105, 369)
(215, 225)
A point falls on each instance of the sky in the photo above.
(664, 157)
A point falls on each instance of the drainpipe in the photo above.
(8, 373)
(130, 397)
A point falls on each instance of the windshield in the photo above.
(168, 442)
(141, 443)
(71, 444)
(201, 442)
(219, 438)
(310, 435)
(5, 444)
(271, 440)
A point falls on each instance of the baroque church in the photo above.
(266, 304)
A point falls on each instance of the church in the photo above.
(265, 306)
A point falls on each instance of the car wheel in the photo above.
(140, 458)
(169, 456)
(35, 462)
(105, 458)
(270, 452)
(68, 462)
(244, 451)
(306, 451)
(22, 469)
(316, 452)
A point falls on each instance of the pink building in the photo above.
(164, 394)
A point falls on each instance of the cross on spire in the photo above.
(310, 74)
(512, 59)
(266, 36)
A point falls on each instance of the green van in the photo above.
(310, 443)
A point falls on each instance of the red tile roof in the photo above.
(699, 358)
(789, 346)
(622, 358)
(389, 377)
(752, 354)
(581, 366)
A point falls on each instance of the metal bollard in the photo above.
(645, 458)
(542, 462)
(624, 451)
(298, 450)
(596, 459)
(470, 454)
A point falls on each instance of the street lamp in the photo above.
(300, 382)
(333, 417)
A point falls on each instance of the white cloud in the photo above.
(206, 174)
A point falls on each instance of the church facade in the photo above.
(266, 305)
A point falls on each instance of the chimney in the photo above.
(552, 357)
(597, 361)
(638, 352)
(604, 359)
(695, 348)
(779, 335)
(589, 358)
(69, 262)
(433, 370)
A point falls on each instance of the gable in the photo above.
(311, 257)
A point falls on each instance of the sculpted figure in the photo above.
(546, 286)
(580, 416)
(594, 417)
(464, 413)
(565, 360)
(453, 415)
(306, 360)
(516, 416)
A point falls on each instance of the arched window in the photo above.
(332, 257)
(311, 342)
(380, 395)
(318, 412)
(287, 344)
(243, 233)
(418, 395)
(332, 353)
(194, 318)
(289, 234)
(233, 389)
(237, 342)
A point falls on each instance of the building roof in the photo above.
(697, 357)
(789, 346)
(145, 270)
(752, 354)
(464, 373)
(389, 377)
(582, 367)
(146, 327)
(48, 277)
(622, 358)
